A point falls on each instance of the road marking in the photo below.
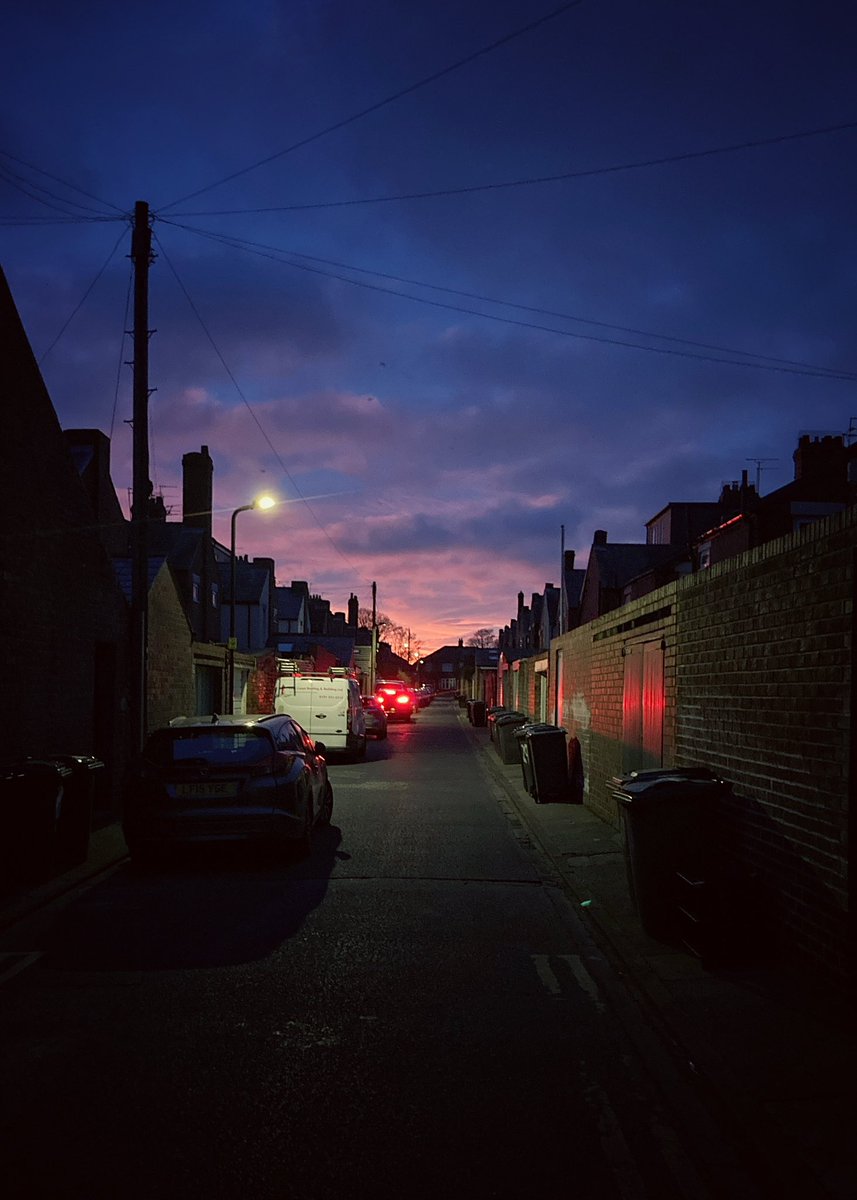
(13, 962)
(617, 1154)
(551, 983)
(545, 972)
(585, 980)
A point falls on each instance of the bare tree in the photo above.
(483, 639)
(397, 637)
(385, 624)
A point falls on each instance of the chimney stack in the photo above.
(197, 474)
(599, 538)
(820, 458)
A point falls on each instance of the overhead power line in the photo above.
(765, 363)
(83, 298)
(364, 112)
(547, 312)
(95, 212)
(535, 180)
(195, 310)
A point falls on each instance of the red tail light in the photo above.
(403, 699)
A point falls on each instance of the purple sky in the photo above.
(520, 358)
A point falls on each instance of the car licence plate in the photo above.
(220, 790)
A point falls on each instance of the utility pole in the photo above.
(141, 256)
(563, 599)
(374, 657)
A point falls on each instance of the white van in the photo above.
(327, 704)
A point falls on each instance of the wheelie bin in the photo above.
(544, 762)
(78, 802)
(33, 792)
(491, 715)
(506, 743)
(477, 713)
(668, 820)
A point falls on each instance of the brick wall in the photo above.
(171, 690)
(764, 681)
(758, 686)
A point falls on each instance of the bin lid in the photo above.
(665, 786)
(515, 718)
(43, 766)
(80, 762)
(667, 773)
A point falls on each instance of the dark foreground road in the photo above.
(414, 1012)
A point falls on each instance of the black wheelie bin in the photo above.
(544, 762)
(491, 715)
(32, 797)
(668, 818)
(505, 742)
(78, 802)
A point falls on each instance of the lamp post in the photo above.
(262, 502)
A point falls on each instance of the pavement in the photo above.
(770, 1046)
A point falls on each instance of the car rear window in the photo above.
(224, 746)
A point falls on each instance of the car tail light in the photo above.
(403, 699)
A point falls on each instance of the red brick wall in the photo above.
(764, 681)
(759, 656)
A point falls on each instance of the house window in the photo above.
(196, 589)
(215, 595)
(704, 556)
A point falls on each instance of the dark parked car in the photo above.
(375, 717)
(217, 779)
(397, 699)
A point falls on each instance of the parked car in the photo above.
(218, 779)
(375, 717)
(397, 698)
(425, 695)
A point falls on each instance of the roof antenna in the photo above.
(760, 468)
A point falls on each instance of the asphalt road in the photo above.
(415, 1011)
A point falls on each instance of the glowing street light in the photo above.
(261, 502)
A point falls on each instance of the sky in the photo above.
(459, 282)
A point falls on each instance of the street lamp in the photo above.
(262, 502)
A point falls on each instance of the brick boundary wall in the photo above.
(759, 686)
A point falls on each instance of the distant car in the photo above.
(375, 717)
(397, 698)
(223, 779)
(425, 694)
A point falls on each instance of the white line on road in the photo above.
(617, 1154)
(551, 983)
(13, 962)
(545, 972)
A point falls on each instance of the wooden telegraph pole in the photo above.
(141, 256)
